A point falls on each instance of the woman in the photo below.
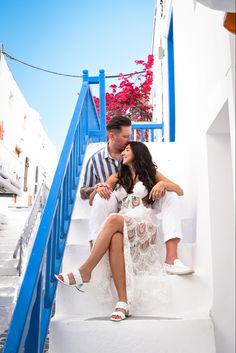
(130, 236)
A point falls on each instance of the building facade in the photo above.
(27, 156)
(194, 94)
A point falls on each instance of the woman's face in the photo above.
(127, 155)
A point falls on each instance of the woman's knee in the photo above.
(116, 221)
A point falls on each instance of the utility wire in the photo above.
(59, 73)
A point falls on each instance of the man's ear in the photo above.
(110, 135)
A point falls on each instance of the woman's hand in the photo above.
(158, 191)
(104, 190)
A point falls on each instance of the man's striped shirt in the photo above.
(99, 167)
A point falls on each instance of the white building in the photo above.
(27, 156)
(194, 87)
(27, 159)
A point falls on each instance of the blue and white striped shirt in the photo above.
(99, 167)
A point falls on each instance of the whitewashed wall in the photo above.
(205, 135)
(23, 127)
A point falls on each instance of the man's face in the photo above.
(120, 139)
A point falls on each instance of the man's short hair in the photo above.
(117, 122)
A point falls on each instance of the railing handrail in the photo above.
(38, 206)
(29, 325)
(151, 128)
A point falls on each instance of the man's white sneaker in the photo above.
(178, 268)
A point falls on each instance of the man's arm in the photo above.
(86, 191)
(89, 181)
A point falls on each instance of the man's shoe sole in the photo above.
(179, 273)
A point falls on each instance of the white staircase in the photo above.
(180, 325)
(11, 226)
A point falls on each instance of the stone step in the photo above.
(81, 208)
(8, 281)
(5, 271)
(10, 233)
(9, 263)
(4, 318)
(6, 255)
(134, 335)
(9, 247)
(78, 232)
(8, 242)
(6, 300)
(12, 227)
(184, 293)
(7, 291)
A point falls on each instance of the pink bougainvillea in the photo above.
(131, 97)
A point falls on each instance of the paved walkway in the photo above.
(3, 339)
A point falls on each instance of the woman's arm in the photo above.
(164, 184)
(169, 185)
(113, 180)
(104, 189)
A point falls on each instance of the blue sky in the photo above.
(69, 36)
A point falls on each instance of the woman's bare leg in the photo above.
(117, 263)
(113, 225)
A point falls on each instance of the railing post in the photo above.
(32, 343)
(102, 96)
(85, 75)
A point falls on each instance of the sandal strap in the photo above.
(122, 305)
(119, 313)
(77, 277)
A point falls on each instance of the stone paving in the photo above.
(3, 339)
(4, 335)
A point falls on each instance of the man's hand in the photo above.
(158, 191)
(104, 190)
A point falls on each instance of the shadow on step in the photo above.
(105, 318)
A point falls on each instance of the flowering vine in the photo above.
(132, 96)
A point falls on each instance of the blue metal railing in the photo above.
(29, 326)
(145, 131)
(31, 317)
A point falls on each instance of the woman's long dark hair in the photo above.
(143, 166)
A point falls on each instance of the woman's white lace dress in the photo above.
(142, 251)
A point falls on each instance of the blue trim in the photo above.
(102, 96)
(171, 81)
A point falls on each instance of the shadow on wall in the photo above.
(222, 228)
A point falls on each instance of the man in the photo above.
(106, 162)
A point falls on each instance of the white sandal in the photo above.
(77, 276)
(120, 314)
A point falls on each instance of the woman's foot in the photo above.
(75, 278)
(121, 312)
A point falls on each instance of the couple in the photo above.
(127, 193)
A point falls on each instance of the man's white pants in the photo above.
(167, 208)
